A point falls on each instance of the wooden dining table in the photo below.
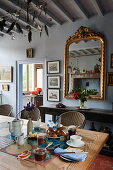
(94, 141)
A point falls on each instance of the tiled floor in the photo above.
(102, 163)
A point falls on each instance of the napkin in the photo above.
(72, 156)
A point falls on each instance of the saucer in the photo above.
(75, 145)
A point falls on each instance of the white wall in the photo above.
(52, 48)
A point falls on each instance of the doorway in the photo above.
(30, 83)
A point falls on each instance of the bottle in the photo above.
(51, 124)
(29, 126)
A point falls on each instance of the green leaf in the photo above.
(46, 30)
(19, 28)
(11, 27)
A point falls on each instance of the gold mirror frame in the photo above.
(83, 33)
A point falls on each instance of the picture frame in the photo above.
(84, 70)
(53, 82)
(53, 95)
(53, 67)
(111, 61)
(29, 53)
(5, 87)
(110, 78)
(6, 73)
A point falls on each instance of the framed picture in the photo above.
(84, 70)
(111, 61)
(53, 82)
(5, 87)
(29, 53)
(53, 95)
(5, 74)
(110, 78)
(53, 67)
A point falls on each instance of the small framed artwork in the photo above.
(84, 70)
(6, 74)
(53, 67)
(29, 53)
(53, 82)
(5, 87)
(110, 78)
(53, 95)
(111, 61)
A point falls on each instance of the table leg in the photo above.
(42, 117)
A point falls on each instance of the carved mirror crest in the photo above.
(84, 63)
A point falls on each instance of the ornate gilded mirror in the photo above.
(84, 63)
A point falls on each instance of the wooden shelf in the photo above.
(85, 75)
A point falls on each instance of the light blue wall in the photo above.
(55, 50)
(52, 48)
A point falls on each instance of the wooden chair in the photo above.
(5, 109)
(35, 114)
(73, 118)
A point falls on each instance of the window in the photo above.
(32, 77)
(28, 77)
(24, 77)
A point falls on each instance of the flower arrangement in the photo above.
(29, 108)
(82, 94)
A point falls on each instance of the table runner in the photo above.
(31, 146)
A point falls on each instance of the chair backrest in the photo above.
(5, 109)
(73, 118)
(35, 114)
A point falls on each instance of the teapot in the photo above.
(15, 127)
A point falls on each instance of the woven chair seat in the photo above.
(5, 109)
(73, 118)
(34, 114)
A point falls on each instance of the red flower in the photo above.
(77, 93)
(74, 96)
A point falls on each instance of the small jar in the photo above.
(72, 130)
(40, 154)
(41, 138)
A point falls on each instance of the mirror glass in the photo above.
(84, 66)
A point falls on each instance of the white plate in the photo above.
(53, 137)
(75, 145)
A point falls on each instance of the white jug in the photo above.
(15, 127)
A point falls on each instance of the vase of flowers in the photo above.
(29, 108)
(82, 94)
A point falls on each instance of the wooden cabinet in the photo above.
(39, 100)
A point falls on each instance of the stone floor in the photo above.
(102, 162)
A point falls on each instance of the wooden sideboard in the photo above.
(99, 115)
(39, 100)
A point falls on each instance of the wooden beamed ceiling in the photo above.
(50, 12)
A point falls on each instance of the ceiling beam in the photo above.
(1, 34)
(5, 33)
(98, 7)
(11, 11)
(25, 10)
(49, 13)
(63, 10)
(80, 9)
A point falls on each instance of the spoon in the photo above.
(49, 145)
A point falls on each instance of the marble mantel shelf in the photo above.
(93, 114)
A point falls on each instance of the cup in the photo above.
(20, 139)
(41, 138)
(40, 154)
(75, 139)
(72, 130)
